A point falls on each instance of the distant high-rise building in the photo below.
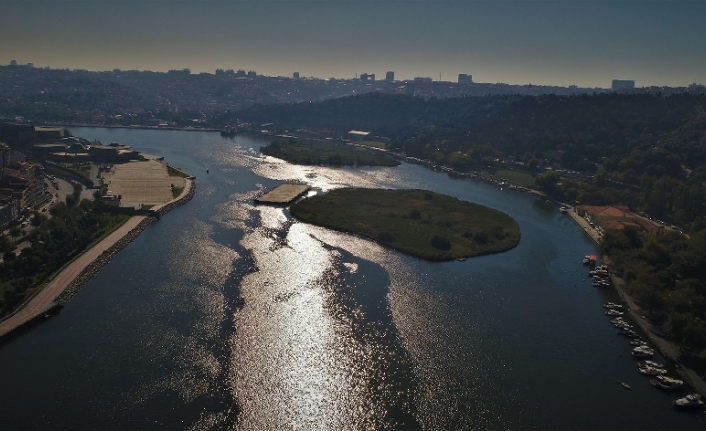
(366, 77)
(390, 76)
(619, 84)
(696, 88)
(295, 75)
(464, 78)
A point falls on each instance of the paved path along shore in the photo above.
(70, 279)
(45, 299)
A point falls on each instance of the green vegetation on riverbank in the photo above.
(325, 153)
(417, 222)
(666, 276)
(515, 177)
(641, 150)
(74, 226)
(174, 172)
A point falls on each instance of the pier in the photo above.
(284, 194)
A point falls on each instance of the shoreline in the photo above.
(666, 348)
(117, 126)
(39, 308)
(95, 267)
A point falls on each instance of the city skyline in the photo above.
(588, 44)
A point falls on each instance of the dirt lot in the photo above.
(142, 183)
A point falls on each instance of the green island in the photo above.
(420, 223)
(302, 152)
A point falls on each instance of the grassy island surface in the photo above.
(325, 153)
(421, 223)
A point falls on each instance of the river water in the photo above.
(227, 315)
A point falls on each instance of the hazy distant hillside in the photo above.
(588, 127)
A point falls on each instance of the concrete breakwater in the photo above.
(92, 269)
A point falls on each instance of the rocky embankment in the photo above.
(91, 270)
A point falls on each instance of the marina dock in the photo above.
(284, 194)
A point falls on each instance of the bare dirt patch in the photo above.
(142, 183)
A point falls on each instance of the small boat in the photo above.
(612, 312)
(612, 305)
(665, 382)
(562, 209)
(642, 352)
(625, 385)
(206, 170)
(689, 402)
(638, 342)
(649, 363)
(651, 371)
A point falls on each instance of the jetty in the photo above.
(284, 194)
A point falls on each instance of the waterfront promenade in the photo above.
(45, 299)
(48, 297)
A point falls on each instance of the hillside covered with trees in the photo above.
(644, 151)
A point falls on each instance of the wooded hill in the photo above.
(648, 151)
(644, 151)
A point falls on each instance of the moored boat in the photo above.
(689, 402)
(638, 342)
(651, 371)
(665, 382)
(625, 331)
(642, 352)
(649, 363)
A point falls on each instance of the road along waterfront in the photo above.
(231, 315)
(68, 282)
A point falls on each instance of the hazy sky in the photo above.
(562, 42)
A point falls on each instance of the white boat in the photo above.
(562, 209)
(651, 371)
(612, 305)
(625, 385)
(649, 363)
(642, 352)
(665, 382)
(691, 401)
(612, 312)
(638, 343)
